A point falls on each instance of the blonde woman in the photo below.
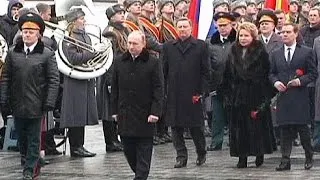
(79, 106)
(245, 88)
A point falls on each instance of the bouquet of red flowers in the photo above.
(254, 114)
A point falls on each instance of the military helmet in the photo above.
(217, 3)
(162, 3)
(128, 3)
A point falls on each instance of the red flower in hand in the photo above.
(299, 72)
(196, 99)
(254, 115)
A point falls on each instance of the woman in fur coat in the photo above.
(247, 92)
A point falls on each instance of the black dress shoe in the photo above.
(296, 142)
(43, 162)
(156, 140)
(259, 160)
(180, 164)
(88, 152)
(114, 147)
(242, 163)
(284, 166)
(53, 152)
(201, 160)
(214, 148)
(80, 152)
(308, 164)
(167, 137)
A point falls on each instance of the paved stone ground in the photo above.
(113, 166)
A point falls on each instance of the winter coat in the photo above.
(9, 27)
(293, 106)
(30, 82)
(137, 92)
(245, 88)
(309, 34)
(217, 57)
(79, 105)
(316, 49)
(186, 70)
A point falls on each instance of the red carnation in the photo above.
(254, 115)
(299, 72)
(196, 99)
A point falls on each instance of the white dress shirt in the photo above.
(292, 49)
(266, 39)
(223, 38)
(31, 48)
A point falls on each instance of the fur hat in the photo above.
(74, 14)
(112, 10)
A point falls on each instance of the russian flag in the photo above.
(201, 14)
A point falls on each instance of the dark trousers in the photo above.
(312, 107)
(110, 132)
(287, 135)
(29, 137)
(219, 121)
(138, 152)
(76, 137)
(199, 141)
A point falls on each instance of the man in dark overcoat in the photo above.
(293, 107)
(30, 86)
(137, 96)
(186, 73)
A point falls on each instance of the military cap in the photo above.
(267, 15)
(260, 1)
(74, 14)
(176, 2)
(238, 4)
(162, 3)
(145, 1)
(31, 20)
(217, 3)
(224, 18)
(112, 10)
(128, 3)
(251, 2)
(316, 3)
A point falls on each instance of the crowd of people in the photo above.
(256, 75)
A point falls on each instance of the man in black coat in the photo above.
(293, 107)
(30, 87)
(136, 97)
(186, 72)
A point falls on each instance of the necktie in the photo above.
(266, 41)
(289, 55)
(28, 51)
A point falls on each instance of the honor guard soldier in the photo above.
(165, 23)
(118, 35)
(151, 31)
(133, 7)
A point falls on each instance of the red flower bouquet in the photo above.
(254, 114)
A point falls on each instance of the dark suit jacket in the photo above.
(293, 105)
